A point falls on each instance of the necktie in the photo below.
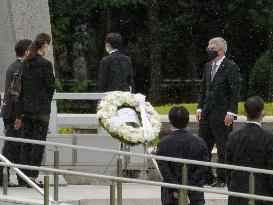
(213, 71)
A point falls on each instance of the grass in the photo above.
(191, 107)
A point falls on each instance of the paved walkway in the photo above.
(91, 194)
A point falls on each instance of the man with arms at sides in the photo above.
(250, 146)
(218, 104)
(181, 144)
(11, 150)
(116, 71)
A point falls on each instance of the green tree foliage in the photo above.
(183, 30)
(260, 78)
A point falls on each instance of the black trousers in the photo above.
(214, 131)
(196, 198)
(191, 203)
(35, 126)
(11, 150)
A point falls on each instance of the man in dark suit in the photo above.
(218, 104)
(250, 146)
(11, 150)
(181, 144)
(116, 71)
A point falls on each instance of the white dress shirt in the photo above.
(218, 63)
(112, 51)
(254, 122)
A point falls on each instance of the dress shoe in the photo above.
(218, 183)
(22, 184)
(12, 185)
(9, 184)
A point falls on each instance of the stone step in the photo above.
(133, 194)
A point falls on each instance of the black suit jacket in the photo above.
(250, 146)
(38, 86)
(220, 96)
(115, 73)
(181, 144)
(8, 111)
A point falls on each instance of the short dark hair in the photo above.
(179, 117)
(21, 47)
(114, 39)
(254, 107)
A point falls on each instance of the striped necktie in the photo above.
(213, 72)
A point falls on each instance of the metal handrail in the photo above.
(183, 188)
(78, 96)
(139, 181)
(118, 152)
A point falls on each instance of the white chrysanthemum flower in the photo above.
(107, 115)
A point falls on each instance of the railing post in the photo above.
(5, 180)
(182, 199)
(74, 151)
(112, 194)
(53, 117)
(251, 188)
(56, 175)
(119, 183)
(46, 190)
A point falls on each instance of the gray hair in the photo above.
(220, 42)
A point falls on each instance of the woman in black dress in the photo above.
(34, 107)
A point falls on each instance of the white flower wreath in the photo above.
(129, 118)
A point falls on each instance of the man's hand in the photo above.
(175, 195)
(229, 120)
(2, 104)
(18, 124)
(198, 116)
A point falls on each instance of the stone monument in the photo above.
(18, 20)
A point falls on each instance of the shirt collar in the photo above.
(112, 51)
(218, 63)
(254, 122)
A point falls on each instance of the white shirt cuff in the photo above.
(231, 113)
(199, 110)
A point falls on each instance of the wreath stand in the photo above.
(109, 113)
(125, 160)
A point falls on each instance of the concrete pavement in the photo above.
(133, 194)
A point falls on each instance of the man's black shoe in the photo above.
(218, 183)
(22, 184)
(9, 184)
(12, 185)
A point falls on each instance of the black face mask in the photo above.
(212, 54)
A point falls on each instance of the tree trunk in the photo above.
(270, 48)
(108, 17)
(155, 51)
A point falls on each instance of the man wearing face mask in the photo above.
(116, 71)
(218, 104)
